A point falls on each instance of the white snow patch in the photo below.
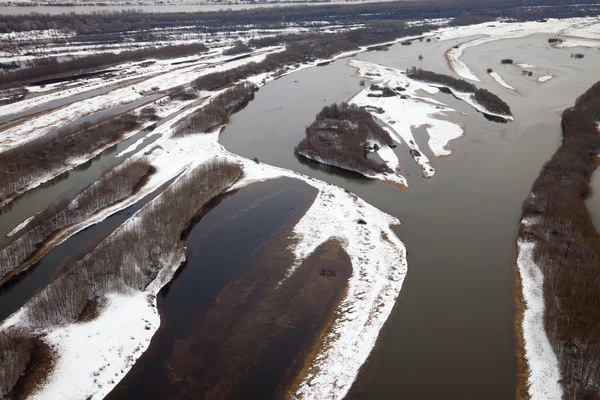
(501, 81)
(21, 226)
(545, 78)
(544, 373)
(402, 115)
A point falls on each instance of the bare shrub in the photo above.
(15, 353)
(219, 109)
(114, 186)
(567, 248)
(23, 164)
(238, 48)
(340, 136)
(133, 255)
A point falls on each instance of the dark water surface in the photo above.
(220, 247)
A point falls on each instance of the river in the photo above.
(451, 333)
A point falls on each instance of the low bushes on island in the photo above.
(114, 186)
(341, 136)
(484, 97)
(567, 248)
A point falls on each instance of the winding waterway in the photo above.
(451, 334)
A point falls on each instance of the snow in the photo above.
(92, 357)
(401, 116)
(545, 78)
(568, 43)
(525, 65)
(20, 226)
(501, 81)
(544, 373)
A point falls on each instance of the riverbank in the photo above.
(559, 249)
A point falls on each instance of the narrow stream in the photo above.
(16, 292)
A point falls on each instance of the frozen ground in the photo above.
(544, 373)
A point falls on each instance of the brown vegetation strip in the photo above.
(128, 259)
(567, 248)
(218, 110)
(484, 97)
(339, 137)
(22, 165)
(51, 226)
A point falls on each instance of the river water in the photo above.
(451, 334)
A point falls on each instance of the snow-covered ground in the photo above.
(501, 81)
(488, 32)
(401, 116)
(544, 373)
(92, 357)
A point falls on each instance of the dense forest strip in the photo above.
(218, 111)
(126, 261)
(341, 136)
(24, 164)
(109, 24)
(94, 62)
(567, 248)
(484, 97)
(49, 226)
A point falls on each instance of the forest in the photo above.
(340, 136)
(127, 260)
(567, 248)
(113, 186)
(110, 23)
(218, 111)
(484, 97)
(24, 164)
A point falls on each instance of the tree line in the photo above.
(340, 136)
(46, 70)
(567, 248)
(484, 97)
(105, 23)
(218, 111)
(113, 186)
(24, 164)
(127, 260)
